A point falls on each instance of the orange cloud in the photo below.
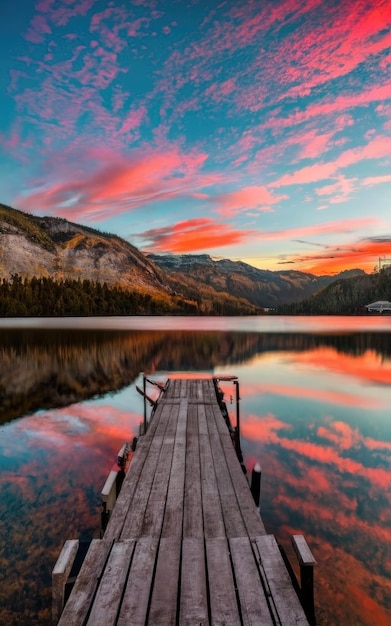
(192, 235)
(363, 254)
(365, 367)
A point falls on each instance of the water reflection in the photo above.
(51, 368)
(315, 413)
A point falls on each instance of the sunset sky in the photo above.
(257, 130)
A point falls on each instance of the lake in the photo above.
(315, 398)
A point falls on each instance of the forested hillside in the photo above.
(344, 297)
(36, 297)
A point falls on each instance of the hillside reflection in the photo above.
(47, 369)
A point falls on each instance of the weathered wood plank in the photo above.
(192, 515)
(253, 604)
(183, 390)
(160, 452)
(211, 507)
(109, 594)
(193, 593)
(233, 521)
(223, 604)
(129, 486)
(278, 582)
(173, 514)
(163, 607)
(250, 513)
(148, 522)
(78, 605)
(135, 602)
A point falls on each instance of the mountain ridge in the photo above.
(55, 248)
(263, 288)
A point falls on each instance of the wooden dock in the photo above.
(185, 544)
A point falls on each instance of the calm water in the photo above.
(315, 412)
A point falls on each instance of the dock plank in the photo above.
(78, 605)
(233, 520)
(192, 514)
(276, 577)
(211, 506)
(253, 604)
(165, 588)
(132, 480)
(193, 594)
(154, 478)
(134, 608)
(223, 604)
(109, 594)
(173, 514)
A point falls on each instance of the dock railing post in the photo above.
(60, 576)
(145, 403)
(306, 563)
(255, 487)
(236, 383)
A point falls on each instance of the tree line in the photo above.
(46, 297)
(36, 297)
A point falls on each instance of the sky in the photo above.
(255, 130)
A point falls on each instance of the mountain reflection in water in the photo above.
(314, 412)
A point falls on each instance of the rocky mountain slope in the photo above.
(263, 288)
(55, 248)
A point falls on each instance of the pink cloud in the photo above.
(308, 174)
(133, 120)
(329, 106)
(313, 144)
(38, 29)
(340, 191)
(376, 180)
(118, 182)
(218, 91)
(71, 8)
(376, 148)
(326, 228)
(248, 198)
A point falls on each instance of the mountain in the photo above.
(59, 250)
(262, 288)
(55, 248)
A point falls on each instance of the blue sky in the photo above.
(254, 130)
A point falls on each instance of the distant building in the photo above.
(380, 306)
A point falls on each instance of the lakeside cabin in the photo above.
(182, 541)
